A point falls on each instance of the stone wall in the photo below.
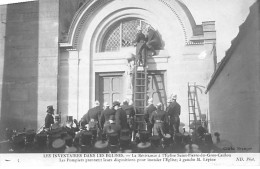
(19, 65)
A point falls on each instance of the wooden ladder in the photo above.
(140, 95)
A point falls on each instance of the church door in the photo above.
(110, 88)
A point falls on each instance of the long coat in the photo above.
(148, 112)
(173, 110)
(93, 113)
(49, 120)
(121, 118)
(105, 115)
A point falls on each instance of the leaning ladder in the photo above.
(192, 101)
(140, 95)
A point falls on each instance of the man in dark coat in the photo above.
(92, 117)
(106, 115)
(120, 116)
(159, 118)
(147, 114)
(49, 120)
(130, 113)
(111, 127)
(174, 111)
(140, 46)
(152, 40)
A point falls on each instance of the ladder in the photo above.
(193, 107)
(140, 95)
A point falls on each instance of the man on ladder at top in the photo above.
(144, 43)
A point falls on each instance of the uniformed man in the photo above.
(120, 115)
(140, 46)
(174, 111)
(147, 114)
(159, 118)
(130, 113)
(92, 117)
(106, 114)
(153, 41)
(111, 126)
(49, 120)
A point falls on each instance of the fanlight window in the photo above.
(121, 34)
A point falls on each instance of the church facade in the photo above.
(70, 53)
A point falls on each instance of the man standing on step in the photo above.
(174, 111)
(147, 114)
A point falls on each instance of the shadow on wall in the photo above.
(20, 74)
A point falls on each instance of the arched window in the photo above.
(121, 34)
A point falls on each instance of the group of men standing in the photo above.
(160, 122)
(113, 119)
(119, 117)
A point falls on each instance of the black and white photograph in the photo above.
(170, 82)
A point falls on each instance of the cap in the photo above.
(97, 103)
(159, 104)
(169, 100)
(106, 104)
(174, 97)
(116, 103)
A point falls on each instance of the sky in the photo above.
(228, 14)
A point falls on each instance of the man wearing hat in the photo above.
(92, 117)
(153, 41)
(147, 114)
(159, 118)
(174, 111)
(49, 117)
(105, 115)
(120, 115)
(140, 46)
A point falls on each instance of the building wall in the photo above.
(181, 62)
(234, 100)
(19, 65)
(48, 57)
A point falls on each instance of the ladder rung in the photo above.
(139, 92)
(140, 85)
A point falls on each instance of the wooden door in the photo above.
(110, 88)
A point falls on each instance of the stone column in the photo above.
(2, 48)
(48, 57)
(73, 81)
